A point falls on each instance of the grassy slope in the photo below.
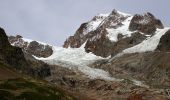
(15, 87)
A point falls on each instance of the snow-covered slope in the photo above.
(94, 23)
(113, 33)
(77, 59)
(150, 44)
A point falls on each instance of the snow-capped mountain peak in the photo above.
(109, 34)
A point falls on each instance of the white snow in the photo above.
(93, 24)
(29, 40)
(149, 44)
(124, 30)
(139, 83)
(77, 59)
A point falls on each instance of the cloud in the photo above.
(52, 21)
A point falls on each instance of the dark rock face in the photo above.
(14, 57)
(164, 44)
(78, 39)
(128, 42)
(98, 41)
(39, 50)
(41, 70)
(38, 68)
(11, 55)
(34, 48)
(145, 23)
(99, 46)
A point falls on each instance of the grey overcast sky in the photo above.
(52, 21)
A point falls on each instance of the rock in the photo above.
(128, 42)
(39, 50)
(10, 55)
(15, 58)
(34, 48)
(164, 44)
(99, 46)
(96, 40)
(146, 23)
(151, 67)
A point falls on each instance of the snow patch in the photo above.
(124, 30)
(29, 40)
(93, 24)
(139, 83)
(150, 44)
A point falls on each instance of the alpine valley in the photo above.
(114, 56)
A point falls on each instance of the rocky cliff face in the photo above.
(32, 47)
(109, 34)
(11, 55)
(14, 57)
(146, 23)
(164, 44)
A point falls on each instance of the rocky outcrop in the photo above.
(146, 23)
(164, 44)
(10, 55)
(32, 47)
(101, 46)
(78, 39)
(39, 50)
(38, 68)
(128, 42)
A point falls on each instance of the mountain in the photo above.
(109, 34)
(115, 56)
(21, 79)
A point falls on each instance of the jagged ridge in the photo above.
(115, 32)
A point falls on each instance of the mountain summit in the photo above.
(109, 34)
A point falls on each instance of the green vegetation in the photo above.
(16, 86)
(27, 89)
